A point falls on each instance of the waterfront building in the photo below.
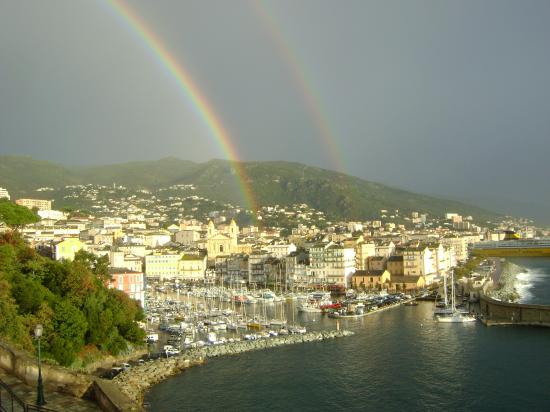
(370, 279)
(296, 268)
(316, 272)
(407, 283)
(443, 259)
(417, 261)
(256, 269)
(128, 281)
(40, 204)
(163, 265)
(339, 264)
(395, 265)
(232, 269)
(192, 267)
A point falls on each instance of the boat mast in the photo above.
(453, 290)
(445, 290)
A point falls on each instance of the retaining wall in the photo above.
(495, 312)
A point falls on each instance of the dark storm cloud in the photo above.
(441, 97)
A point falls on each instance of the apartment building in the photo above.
(35, 203)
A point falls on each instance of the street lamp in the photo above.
(40, 389)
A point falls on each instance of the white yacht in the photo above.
(309, 307)
(452, 314)
(456, 317)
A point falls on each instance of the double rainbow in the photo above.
(303, 83)
(191, 92)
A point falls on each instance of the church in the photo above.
(222, 241)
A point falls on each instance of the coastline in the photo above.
(506, 290)
(135, 381)
(372, 312)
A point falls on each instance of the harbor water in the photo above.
(398, 359)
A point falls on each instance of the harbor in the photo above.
(134, 381)
(449, 367)
(180, 318)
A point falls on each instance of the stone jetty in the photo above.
(135, 381)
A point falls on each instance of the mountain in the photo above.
(283, 183)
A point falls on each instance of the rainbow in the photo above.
(303, 83)
(190, 90)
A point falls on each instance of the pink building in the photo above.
(130, 282)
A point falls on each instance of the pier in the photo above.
(136, 380)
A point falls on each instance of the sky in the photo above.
(450, 98)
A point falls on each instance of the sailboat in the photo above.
(455, 315)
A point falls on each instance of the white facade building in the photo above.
(281, 250)
(4, 194)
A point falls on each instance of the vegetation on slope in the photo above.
(70, 299)
(15, 216)
(284, 183)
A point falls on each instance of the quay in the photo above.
(136, 380)
(494, 312)
(372, 312)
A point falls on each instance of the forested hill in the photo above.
(283, 183)
(83, 320)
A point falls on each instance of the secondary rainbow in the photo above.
(302, 81)
(189, 89)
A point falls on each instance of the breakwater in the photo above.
(135, 381)
(495, 312)
(504, 289)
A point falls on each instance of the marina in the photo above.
(180, 318)
(450, 366)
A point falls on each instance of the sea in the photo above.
(533, 284)
(398, 360)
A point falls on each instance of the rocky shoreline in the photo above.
(506, 291)
(135, 381)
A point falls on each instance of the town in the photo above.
(175, 236)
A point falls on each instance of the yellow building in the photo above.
(407, 283)
(374, 279)
(222, 242)
(363, 250)
(163, 265)
(66, 248)
(192, 267)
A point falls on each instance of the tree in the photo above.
(69, 329)
(69, 298)
(16, 216)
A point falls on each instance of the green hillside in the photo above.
(283, 183)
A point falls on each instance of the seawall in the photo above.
(135, 381)
(495, 312)
(56, 378)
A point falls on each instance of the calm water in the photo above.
(399, 360)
